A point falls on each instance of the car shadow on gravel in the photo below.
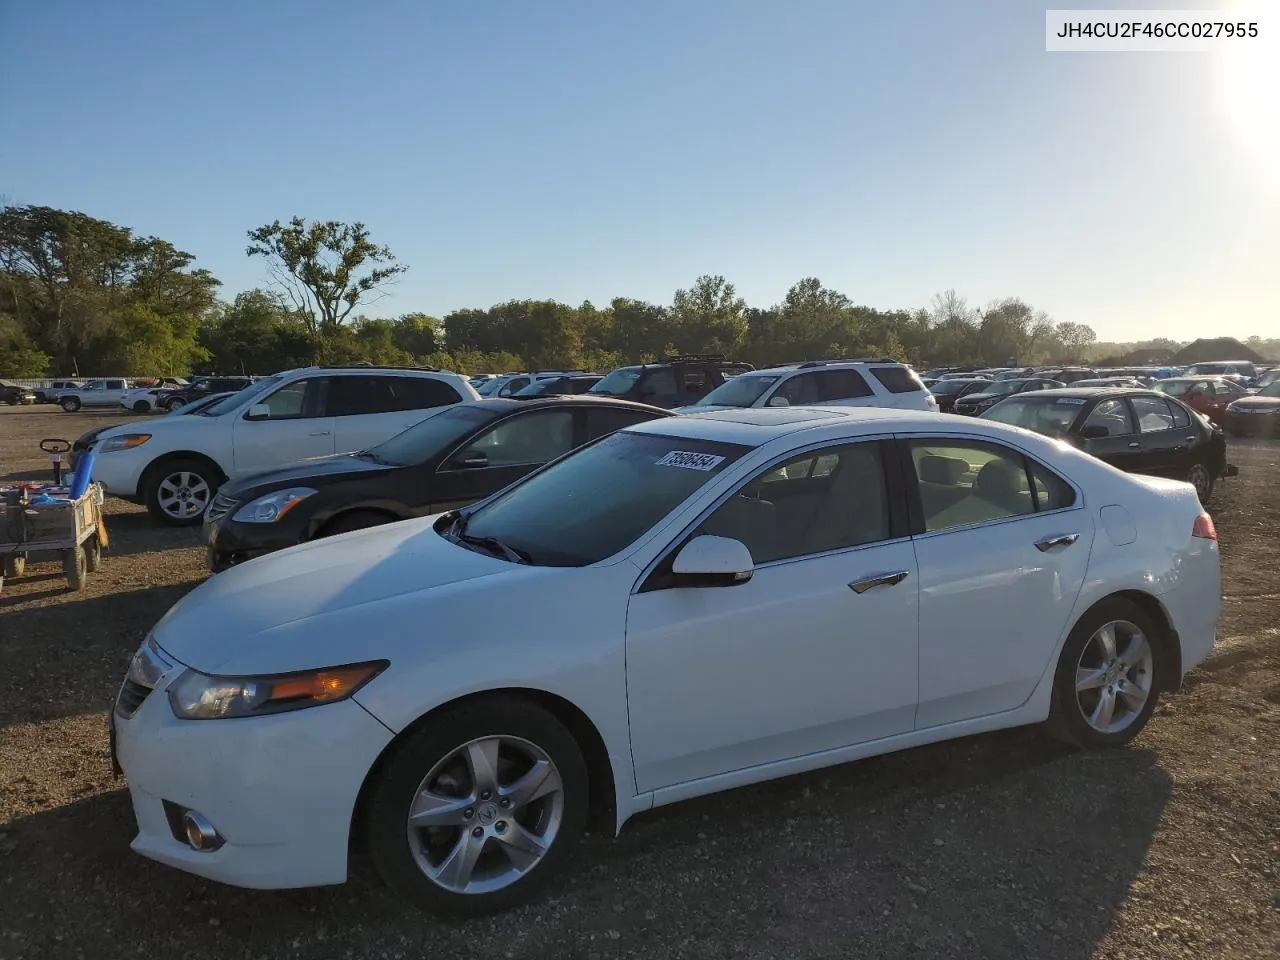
(992, 846)
(85, 643)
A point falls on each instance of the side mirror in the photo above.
(708, 561)
(1093, 432)
(259, 411)
(778, 401)
(470, 460)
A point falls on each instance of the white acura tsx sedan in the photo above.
(685, 606)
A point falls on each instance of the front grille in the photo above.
(130, 698)
(219, 508)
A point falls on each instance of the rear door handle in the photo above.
(879, 580)
(1063, 540)
(318, 433)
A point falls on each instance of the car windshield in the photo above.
(618, 383)
(741, 391)
(437, 433)
(490, 387)
(948, 387)
(1175, 388)
(540, 387)
(237, 400)
(599, 500)
(1272, 389)
(1051, 416)
(1002, 387)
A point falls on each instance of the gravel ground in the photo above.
(1001, 845)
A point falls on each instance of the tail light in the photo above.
(1204, 528)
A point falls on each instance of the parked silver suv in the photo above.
(841, 383)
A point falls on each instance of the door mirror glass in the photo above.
(259, 411)
(777, 400)
(709, 561)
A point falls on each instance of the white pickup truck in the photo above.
(95, 393)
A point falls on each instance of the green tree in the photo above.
(325, 268)
(709, 317)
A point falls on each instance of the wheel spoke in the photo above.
(1090, 678)
(168, 486)
(523, 849)
(1107, 637)
(1134, 697)
(1103, 712)
(455, 870)
(482, 761)
(1135, 651)
(436, 810)
(540, 781)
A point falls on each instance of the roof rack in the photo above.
(822, 363)
(366, 365)
(695, 357)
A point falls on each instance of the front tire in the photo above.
(70, 404)
(179, 491)
(142, 407)
(1106, 685)
(74, 568)
(174, 403)
(479, 808)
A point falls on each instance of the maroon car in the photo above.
(1209, 396)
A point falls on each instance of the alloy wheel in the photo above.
(1114, 676)
(486, 815)
(183, 495)
(1198, 476)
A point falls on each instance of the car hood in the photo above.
(162, 425)
(1256, 403)
(704, 408)
(224, 624)
(320, 470)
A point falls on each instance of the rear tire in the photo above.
(70, 404)
(1201, 477)
(521, 844)
(1124, 671)
(174, 403)
(142, 407)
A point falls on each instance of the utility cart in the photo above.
(35, 521)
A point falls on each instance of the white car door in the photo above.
(370, 408)
(1000, 569)
(294, 427)
(816, 651)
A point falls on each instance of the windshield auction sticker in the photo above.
(690, 461)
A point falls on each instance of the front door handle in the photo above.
(318, 433)
(1134, 445)
(879, 580)
(1064, 540)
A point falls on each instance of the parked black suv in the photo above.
(200, 388)
(676, 382)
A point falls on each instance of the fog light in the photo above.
(200, 832)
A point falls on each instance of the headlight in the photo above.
(126, 441)
(272, 506)
(196, 696)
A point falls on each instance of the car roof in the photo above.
(754, 426)
(499, 404)
(1088, 392)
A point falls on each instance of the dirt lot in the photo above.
(995, 846)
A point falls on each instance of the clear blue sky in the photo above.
(581, 149)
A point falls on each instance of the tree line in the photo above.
(83, 296)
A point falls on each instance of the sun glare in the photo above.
(1249, 89)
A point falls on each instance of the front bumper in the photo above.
(228, 543)
(280, 789)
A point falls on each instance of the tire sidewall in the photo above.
(1065, 713)
(1208, 492)
(413, 757)
(70, 405)
(158, 473)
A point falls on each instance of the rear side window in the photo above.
(1111, 416)
(897, 379)
(1153, 414)
(1051, 491)
(419, 393)
(601, 423)
(1180, 417)
(842, 385)
(659, 383)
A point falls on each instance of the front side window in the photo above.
(519, 440)
(602, 422)
(962, 483)
(601, 499)
(819, 501)
(800, 390)
(740, 391)
(1153, 414)
(660, 383)
(294, 400)
(619, 383)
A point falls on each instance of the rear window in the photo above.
(897, 379)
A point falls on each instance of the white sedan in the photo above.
(682, 607)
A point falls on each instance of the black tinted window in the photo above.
(357, 395)
(897, 379)
(800, 390)
(603, 422)
(842, 385)
(1180, 418)
(420, 393)
(659, 383)
(823, 500)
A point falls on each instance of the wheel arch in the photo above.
(322, 523)
(155, 466)
(1170, 672)
(600, 774)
